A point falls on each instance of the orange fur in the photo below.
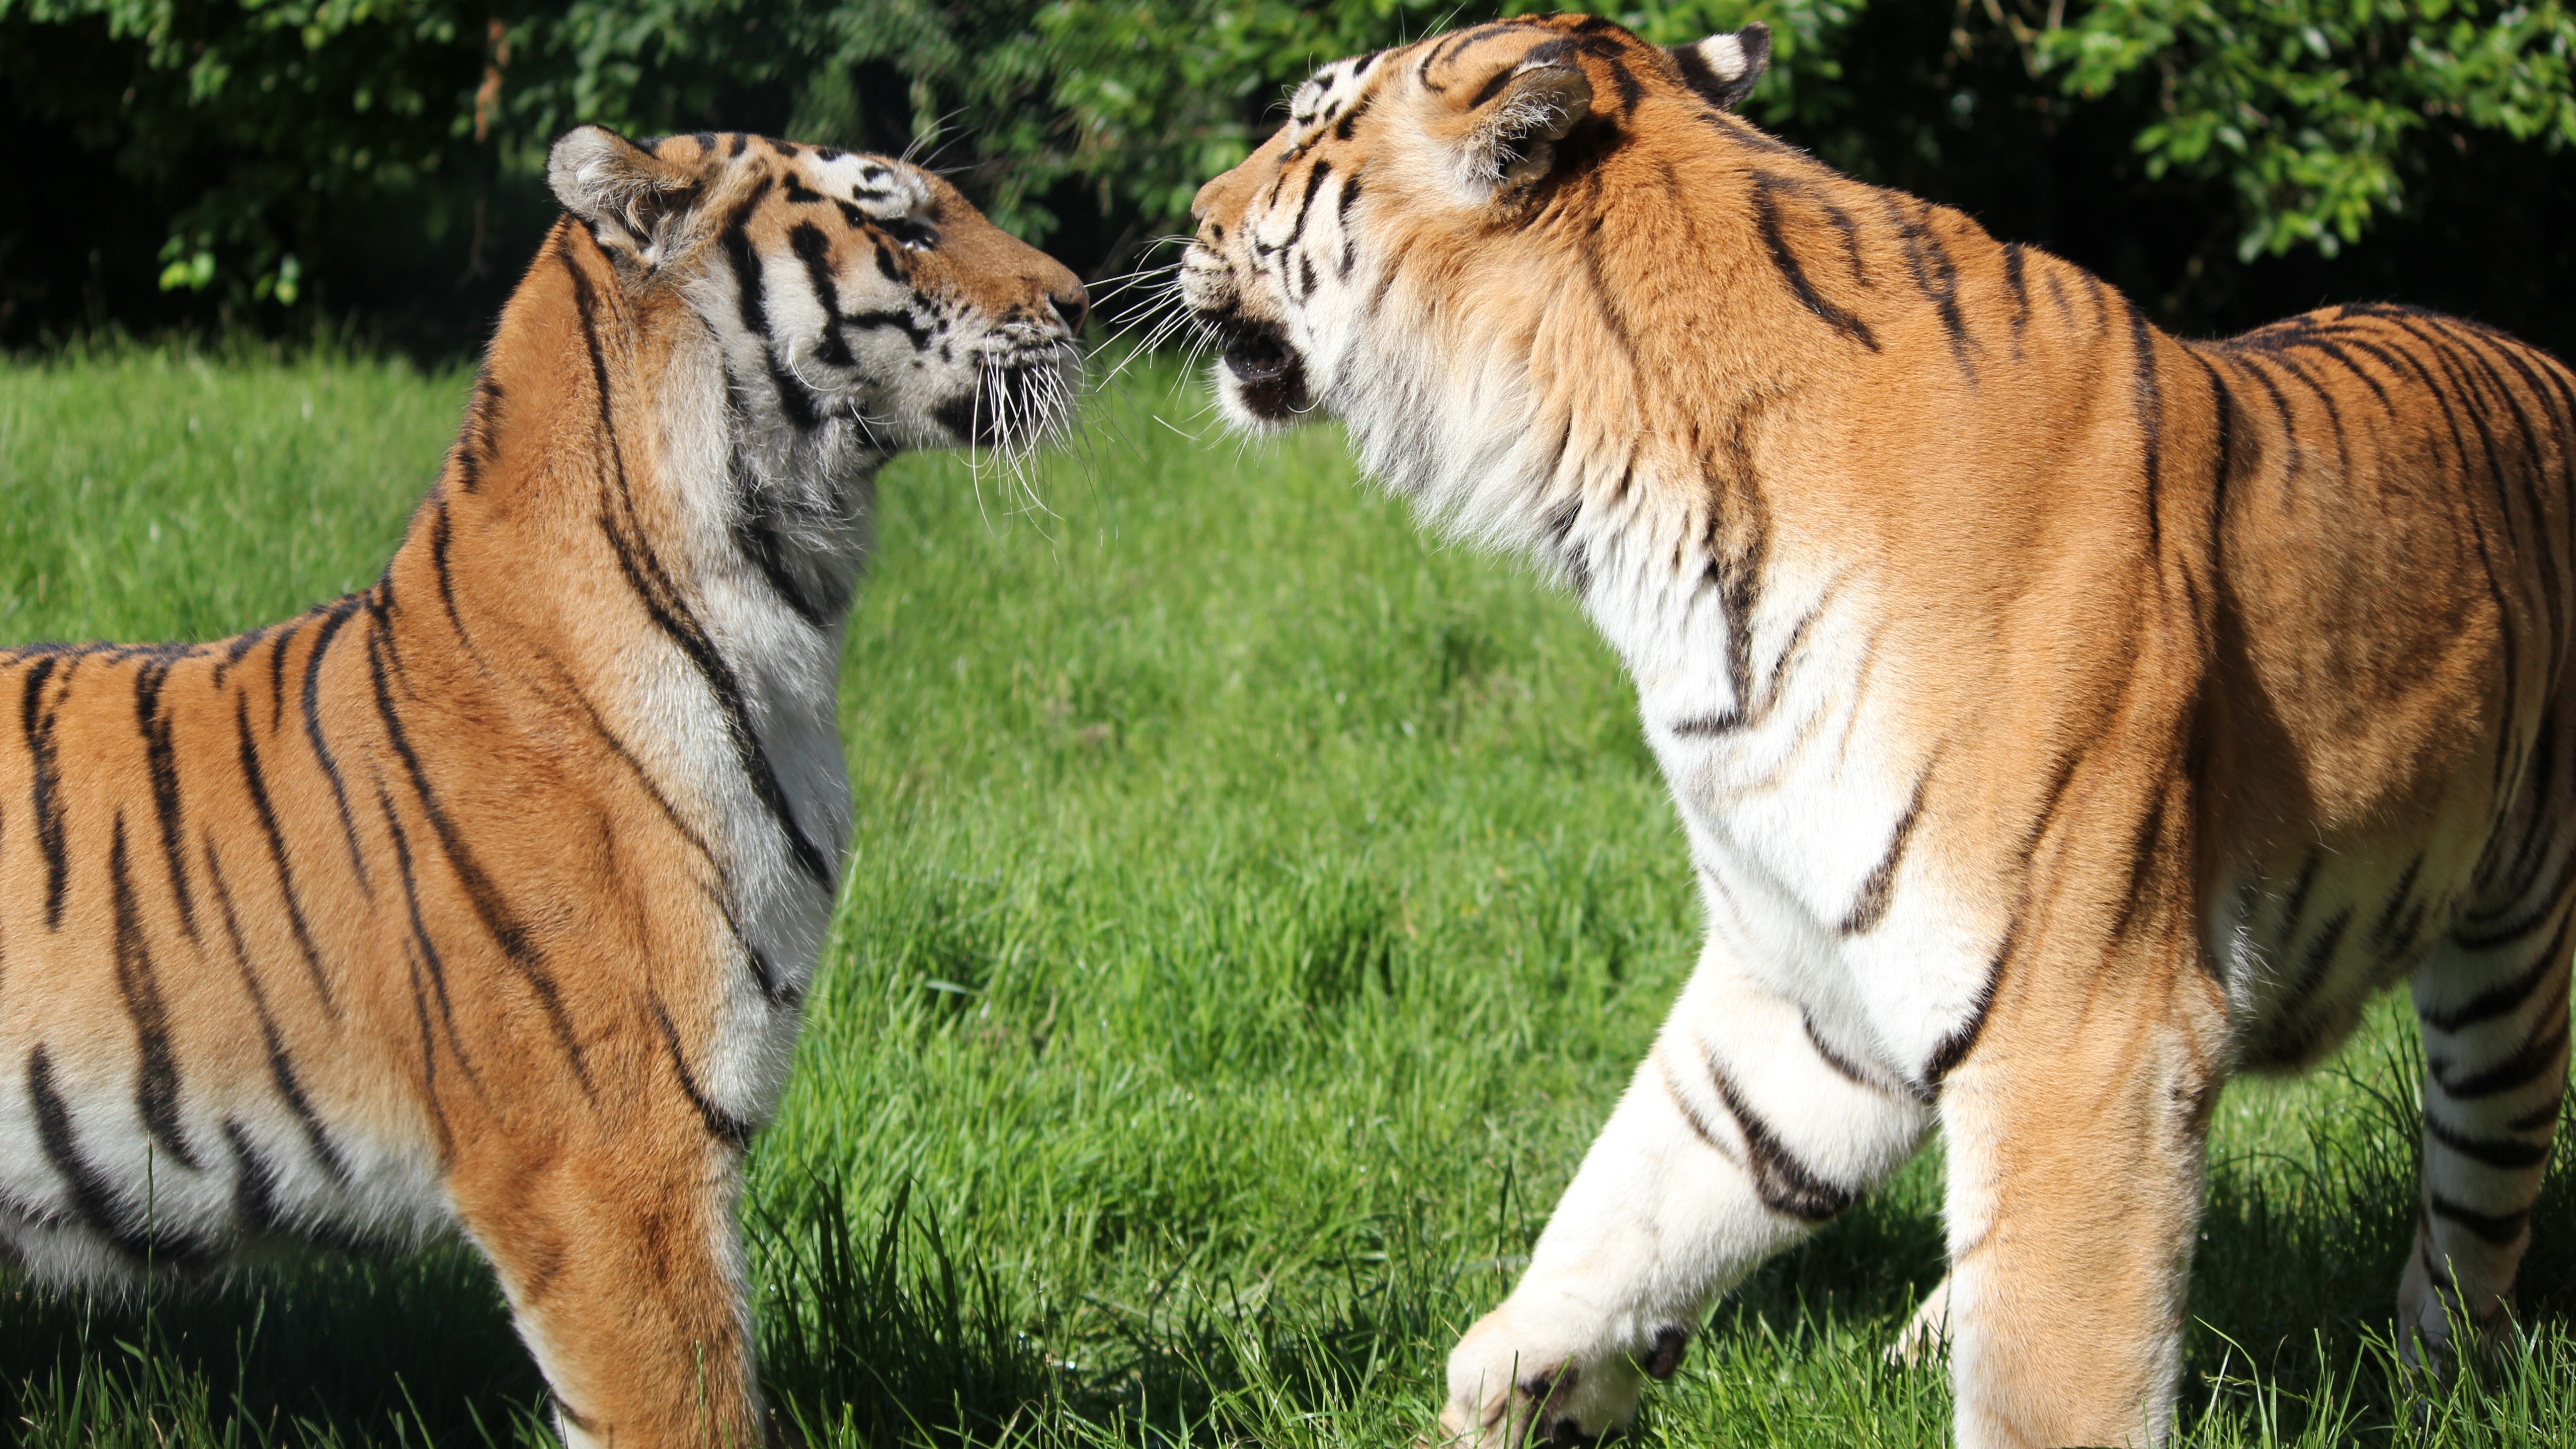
(2065, 715)
(451, 903)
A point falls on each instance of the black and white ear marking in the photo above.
(1723, 68)
(628, 198)
(1525, 111)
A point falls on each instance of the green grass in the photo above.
(1255, 909)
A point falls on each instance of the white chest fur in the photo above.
(775, 807)
(1799, 793)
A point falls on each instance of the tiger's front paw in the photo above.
(1522, 1376)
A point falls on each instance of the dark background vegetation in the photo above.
(375, 165)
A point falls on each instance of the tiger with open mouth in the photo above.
(2063, 717)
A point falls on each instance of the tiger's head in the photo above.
(859, 302)
(1394, 255)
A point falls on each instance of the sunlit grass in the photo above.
(1255, 909)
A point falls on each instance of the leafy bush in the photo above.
(259, 143)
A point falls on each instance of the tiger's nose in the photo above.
(1071, 307)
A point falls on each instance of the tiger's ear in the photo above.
(1723, 68)
(631, 200)
(1518, 117)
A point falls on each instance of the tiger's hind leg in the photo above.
(1740, 1133)
(2492, 1001)
(625, 1277)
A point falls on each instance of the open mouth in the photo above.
(1269, 376)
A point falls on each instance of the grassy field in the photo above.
(1255, 909)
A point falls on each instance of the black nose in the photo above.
(1072, 306)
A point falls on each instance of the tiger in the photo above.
(2063, 717)
(484, 901)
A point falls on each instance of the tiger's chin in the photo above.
(1262, 379)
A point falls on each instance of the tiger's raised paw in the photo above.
(1513, 1382)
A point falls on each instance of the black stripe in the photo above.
(1690, 1115)
(254, 1184)
(335, 619)
(814, 249)
(2293, 1005)
(2223, 471)
(257, 783)
(2497, 1001)
(477, 442)
(1786, 261)
(1937, 278)
(1351, 118)
(2015, 283)
(156, 1081)
(741, 254)
(93, 1200)
(2508, 931)
(2496, 1229)
(1306, 204)
(45, 785)
(1954, 1048)
(723, 1126)
(428, 1058)
(441, 534)
(281, 1067)
(161, 758)
(898, 318)
(1843, 1066)
(1622, 79)
(1870, 906)
(1350, 195)
(1744, 134)
(2535, 1058)
(234, 650)
(2505, 1154)
(670, 612)
(764, 975)
(673, 617)
(753, 537)
(277, 670)
(2334, 350)
(797, 401)
(489, 907)
(2544, 1115)
(2298, 903)
(1784, 1184)
(2383, 928)
(2151, 412)
(1556, 526)
(424, 950)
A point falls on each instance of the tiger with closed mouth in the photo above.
(486, 899)
(2063, 717)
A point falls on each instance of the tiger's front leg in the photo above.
(2076, 1133)
(1738, 1135)
(624, 1272)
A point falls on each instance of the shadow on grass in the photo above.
(325, 1350)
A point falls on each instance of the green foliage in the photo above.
(306, 101)
(251, 119)
(2307, 108)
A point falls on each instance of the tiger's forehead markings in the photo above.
(1327, 96)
